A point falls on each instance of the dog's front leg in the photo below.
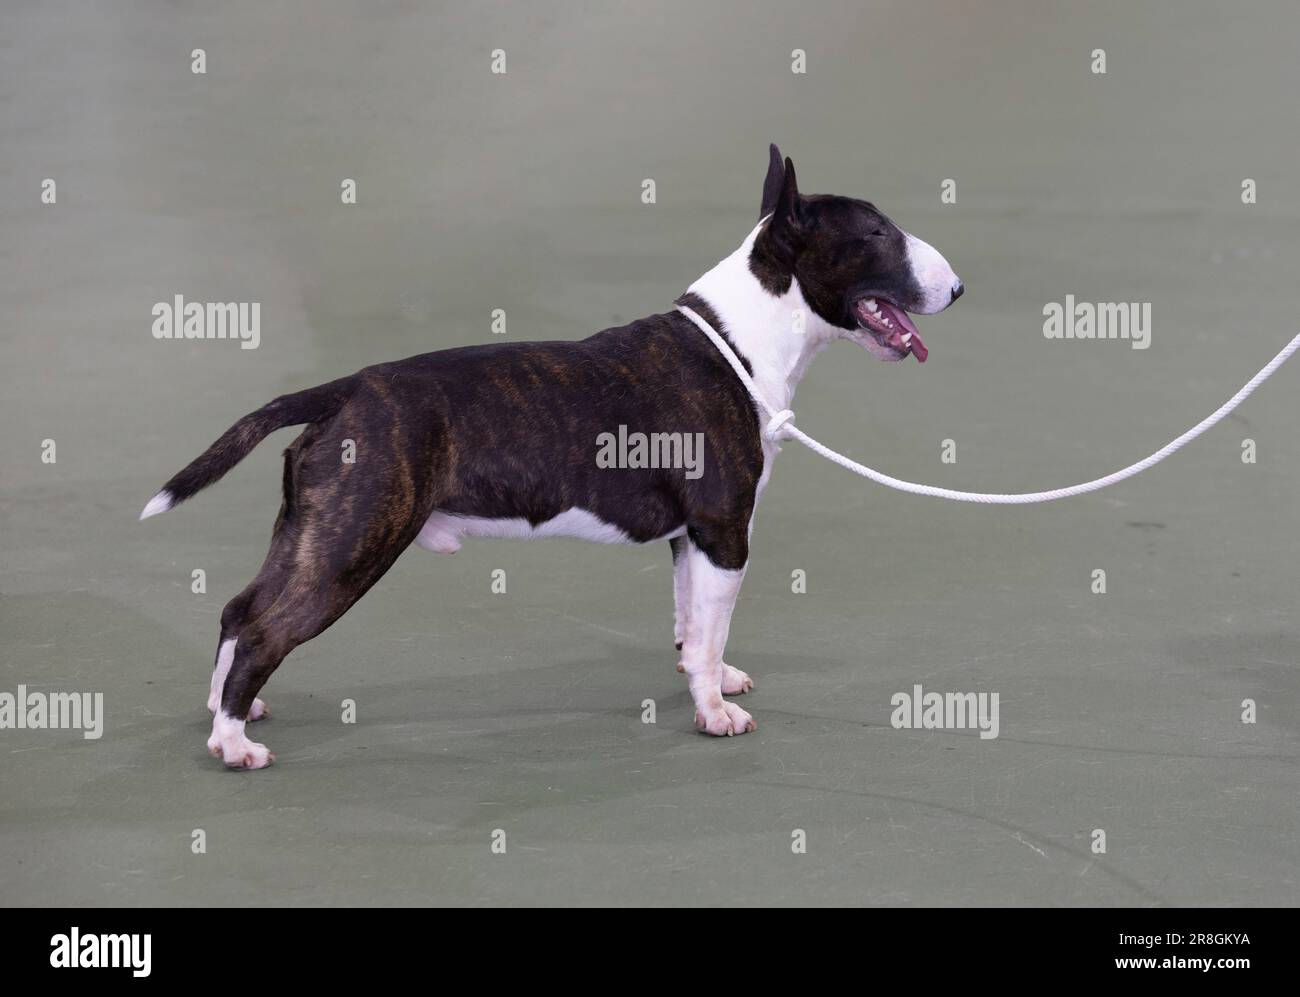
(681, 589)
(713, 590)
(734, 681)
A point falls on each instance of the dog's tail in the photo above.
(237, 442)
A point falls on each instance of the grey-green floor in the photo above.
(522, 711)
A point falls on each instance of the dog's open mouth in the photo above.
(891, 328)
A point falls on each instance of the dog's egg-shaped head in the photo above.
(857, 270)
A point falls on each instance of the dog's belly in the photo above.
(442, 531)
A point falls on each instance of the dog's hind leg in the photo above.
(221, 669)
(343, 527)
(233, 618)
(314, 596)
(254, 599)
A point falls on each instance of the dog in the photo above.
(501, 441)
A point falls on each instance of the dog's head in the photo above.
(857, 270)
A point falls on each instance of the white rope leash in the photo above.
(779, 427)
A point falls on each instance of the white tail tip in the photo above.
(159, 503)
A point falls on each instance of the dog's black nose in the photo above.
(957, 288)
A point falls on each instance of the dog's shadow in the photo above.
(619, 708)
(537, 735)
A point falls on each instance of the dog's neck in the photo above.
(777, 334)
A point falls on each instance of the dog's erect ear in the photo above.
(772, 185)
(785, 230)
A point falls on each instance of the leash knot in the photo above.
(775, 428)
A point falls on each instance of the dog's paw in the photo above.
(725, 722)
(241, 753)
(230, 745)
(734, 681)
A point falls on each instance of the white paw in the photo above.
(727, 721)
(734, 681)
(230, 745)
(241, 754)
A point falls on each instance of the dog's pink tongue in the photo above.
(918, 348)
(904, 321)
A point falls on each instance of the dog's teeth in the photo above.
(872, 306)
(907, 338)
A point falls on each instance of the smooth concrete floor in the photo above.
(522, 711)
